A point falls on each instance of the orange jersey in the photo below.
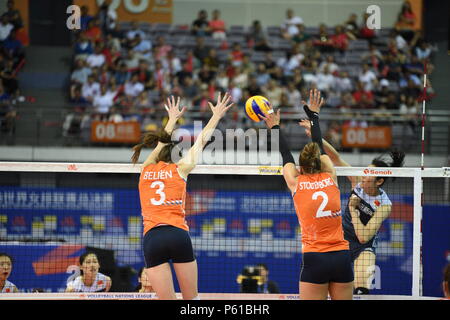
(163, 193)
(317, 202)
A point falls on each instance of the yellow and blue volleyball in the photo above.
(257, 105)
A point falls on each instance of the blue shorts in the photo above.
(356, 247)
(325, 267)
(167, 244)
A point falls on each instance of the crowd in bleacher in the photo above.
(12, 59)
(126, 70)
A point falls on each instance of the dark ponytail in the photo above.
(150, 140)
(397, 159)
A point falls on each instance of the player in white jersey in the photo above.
(5, 270)
(90, 279)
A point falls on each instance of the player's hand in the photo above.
(315, 102)
(305, 123)
(223, 105)
(173, 108)
(272, 119)
(353, 202)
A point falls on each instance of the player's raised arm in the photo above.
(312, 111)
(162, 138)
(290, 172)
(189, 161)
(335, 157)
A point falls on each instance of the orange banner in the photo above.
(121, 132)
(153, 11)
(370, 137)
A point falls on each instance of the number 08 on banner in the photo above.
(370, 137)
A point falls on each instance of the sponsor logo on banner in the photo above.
(378, 172)
(270, 170)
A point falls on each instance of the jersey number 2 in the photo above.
(320, 213)
(160, 186)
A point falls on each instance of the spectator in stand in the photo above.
(104, 100)
(289, 28)
(212, 60)
(90, 89)
(112, 56)
(205, 74)
(368, 78)
(342, 83)
(405, 21)
(172, 64)
(96, 59)
(392, 102)
(117, 38)
(131, 34)
(381, 95)
(190, 90)
(340, 39)
(14, 49)
(142, 48)
(81, 72)
(269, 63)
(412, 89)
(410, 109)
(423, 51)
(363, 98)
(273, 92)
(373, 58)
(13, 15)
(241, 78)
(9, 79)
(122, 75)
(183, 74)
(217, 26)
(144, 74)
(83, 47)
(93, 32)
(323, 41)
(298, 80)
(161, 77)
(310, 51)
(330, 64)
(325, 81)
(76, 97)
(236, 93)
(292, 61)
(200, 50)
(6, 263)
(351, 26)
(133, 87)
(85, 18)
(131, 60)
(236, 55)
(162, 48)
(301, 36)
(200, 26)
(262, 76)
(346, 103)
(247, 65)
(222, 80)
(414, 66)
(257, 37)
(293, 95)
(5, 28)
(364, 31)
(253, 89)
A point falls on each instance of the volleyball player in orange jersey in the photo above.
(368, 207)
(326, 264)
(162, 189)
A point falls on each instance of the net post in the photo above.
(417, 235)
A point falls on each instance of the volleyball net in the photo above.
(239, 217)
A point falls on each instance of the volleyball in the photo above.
(257, 105)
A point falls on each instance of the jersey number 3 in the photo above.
(162, 195)
(320, 213)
